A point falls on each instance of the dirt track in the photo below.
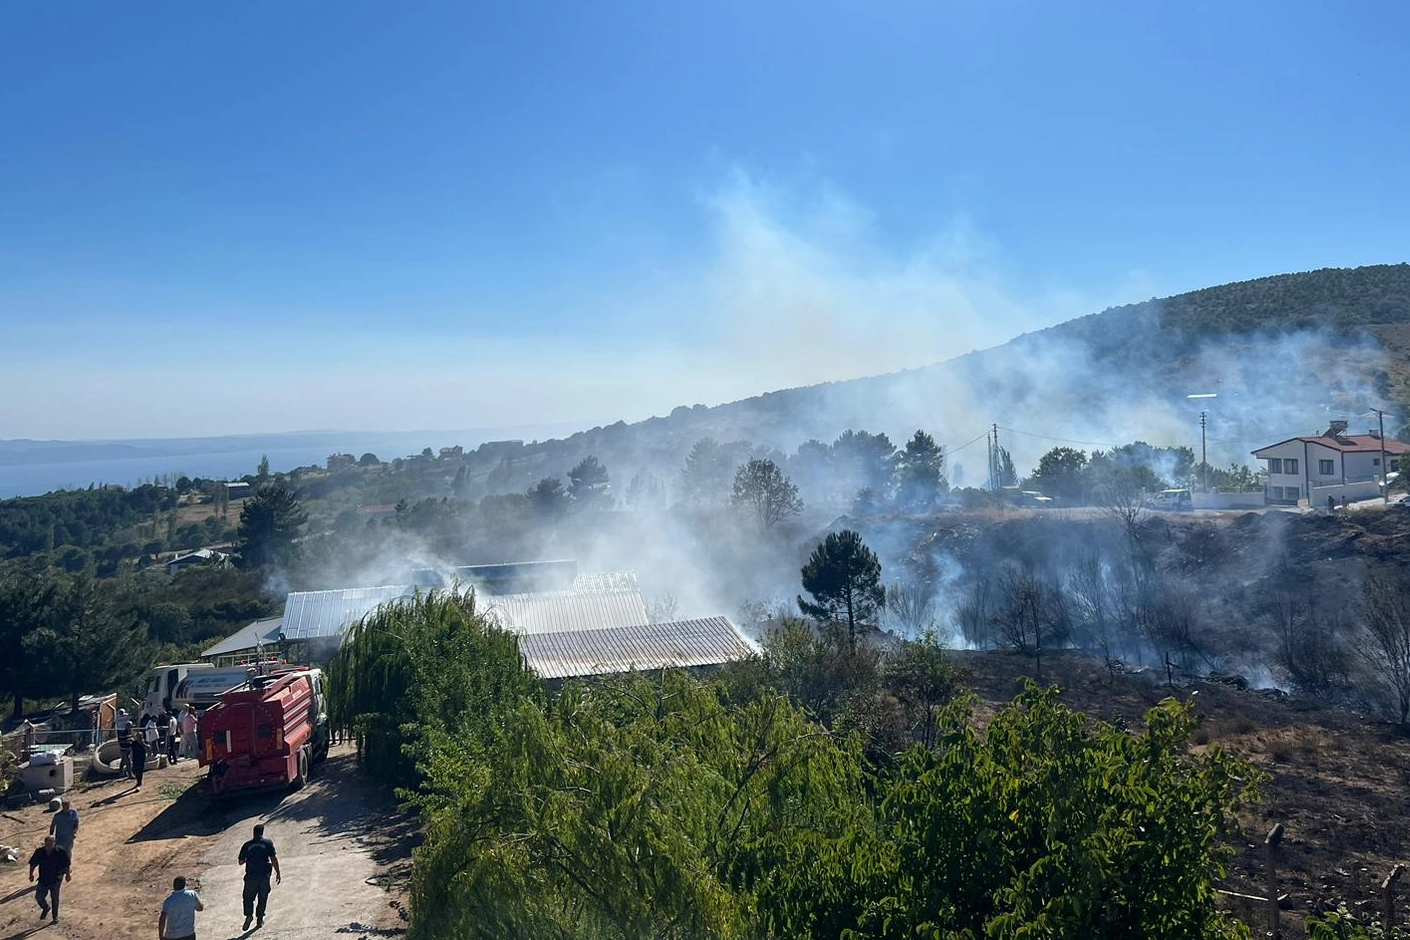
(342, 848)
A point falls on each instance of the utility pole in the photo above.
(989, 445)
(1385, 475)
(998, 464)
(1203, 455)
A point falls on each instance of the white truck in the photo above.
(162, 682)
(196, 684)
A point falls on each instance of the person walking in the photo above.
(178, 919)
(122, 726)
(259, 858)
(139, 759)
(173, 732)
(64, 826)
(189, 737)
(53, 865)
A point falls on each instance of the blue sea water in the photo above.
(26, 467)
(34, 479)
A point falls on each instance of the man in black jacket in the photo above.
(259, 859)
(53, 865)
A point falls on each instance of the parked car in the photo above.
(1170, 501)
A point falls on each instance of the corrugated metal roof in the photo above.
(261, 631)
(566, 611)
(312, 615)
(711, 641)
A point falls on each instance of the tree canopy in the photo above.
(589, 485)
(843, 578)
(920, 472)
(761, 488)
(269, 526)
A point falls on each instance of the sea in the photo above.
(32, 468)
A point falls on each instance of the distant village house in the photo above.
(1345, 467)
(201, 556)
(338, 462)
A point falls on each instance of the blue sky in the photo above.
(367, 215)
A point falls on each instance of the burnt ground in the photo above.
(1338, 781)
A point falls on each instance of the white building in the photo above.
(1333, 464)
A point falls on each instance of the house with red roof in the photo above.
(1336, 465)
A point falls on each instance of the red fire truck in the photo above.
(267, 733)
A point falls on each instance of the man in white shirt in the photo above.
(178, 920)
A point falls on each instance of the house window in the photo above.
(1326, 467)
(1276, 492)
(1291, 492)
(1375, 461)
(1289, 465)
(1275, 465)
(1395, 466)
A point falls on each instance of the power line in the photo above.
(1061, 440)
(956, 450)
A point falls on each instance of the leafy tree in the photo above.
(368, 459)
(589, 485)
(269, 525)
(424, 677)
(1047, 823)
(262, 471)
(863, 460)
(1237, 477)
(1060, 473)
(705, 479)
(25, 605)
(811, 466)
(923, 677)
(761, 488)
(548, 498)
(920, 472)
(86, 644)
(1008, 476)
(843, 577)
(645, 490)
(632, 808)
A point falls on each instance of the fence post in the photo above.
(1270, 847)
(1388, 896)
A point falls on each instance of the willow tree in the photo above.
(633, 808)
(421, 674)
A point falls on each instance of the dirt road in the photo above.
(343, 850)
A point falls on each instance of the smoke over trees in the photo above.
(920, 472)
(761, 489)
(589, 484)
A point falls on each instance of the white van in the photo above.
(1170, 501)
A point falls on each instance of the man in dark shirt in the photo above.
(53, 865)
(259, 859)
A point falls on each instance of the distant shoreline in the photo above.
(32, 468)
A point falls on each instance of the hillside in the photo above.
(1283, 354)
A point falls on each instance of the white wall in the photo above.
(1228, 500)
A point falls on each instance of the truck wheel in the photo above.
(302, 778)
